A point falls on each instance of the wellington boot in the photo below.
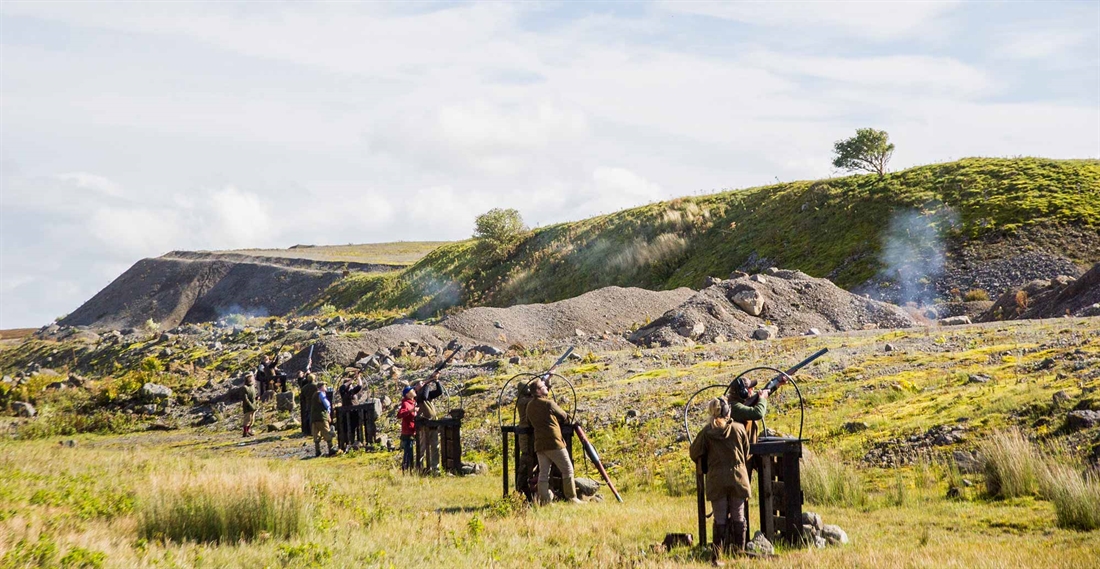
(718, 545)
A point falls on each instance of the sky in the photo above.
(128, 129)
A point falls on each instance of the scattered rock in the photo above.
(205, 419)
(23, 409)
(758, 278)
(673, 540)
(855, 426)
(1060, 398)
(1082, 419)
(978, 378)
(147, 409)
(154, 392)
(834, 535)
(750, 301)
(631, 414)
(514, 360)
(889, 348)
(813, 332)
(955, 321)
(968, 462)
(760, 545)
(586, 487)
(812, 519)
(765, 333)
(284, 401)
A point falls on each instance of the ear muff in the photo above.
(741, 388)
(724, 406)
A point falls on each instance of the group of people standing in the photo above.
(417, 403)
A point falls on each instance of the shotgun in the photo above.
(545, 376)
(595, 458)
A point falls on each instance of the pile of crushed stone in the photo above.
(1060, 296)
(604, 312)
(775, 303)
(602, 315)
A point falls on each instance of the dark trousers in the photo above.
(407, 458)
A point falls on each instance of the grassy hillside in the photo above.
(827, 228)
(395, 253)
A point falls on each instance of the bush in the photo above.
(1076, 498)
(499, 228)
(976, 295)
(68, 423)
(1011, 464)
(223, 507)
(830, 482)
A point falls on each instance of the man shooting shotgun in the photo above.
(427, 390)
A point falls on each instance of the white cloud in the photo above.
(876, 20)
(1042, 43)
(166, 126)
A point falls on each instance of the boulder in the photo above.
(693, 331)
(514, 360)
(751, 301)
(207, 419)
(488, 350)
(812, 332)
(284, 401)
(23, 409)
(968, 462)
(760, 545)
(758, 278)
(1082, 419)
(1060, 398)
(765, 333)
(978, 378)
(813, 520)
(889, 348)
(586, 487)
(955, 321)
(148, 409)
(854, 427)
(154, 392)
(834, 535)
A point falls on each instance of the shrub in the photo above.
(66, 423)
(1011, 464)
(222, 507)
(830, 482)
(976, 295)
(499, 229)
(1076, 498)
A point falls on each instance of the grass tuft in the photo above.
(1011, 464)
(827, 481)
(222, 507)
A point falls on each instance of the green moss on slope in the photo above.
(825, 228)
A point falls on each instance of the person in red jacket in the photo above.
(407, 414)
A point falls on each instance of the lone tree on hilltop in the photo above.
(499, 228)
(869, 150)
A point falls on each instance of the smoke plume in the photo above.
(913, 253)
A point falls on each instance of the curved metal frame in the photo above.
(504, 388)
(801, 403)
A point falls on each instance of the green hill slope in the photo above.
(831, 228)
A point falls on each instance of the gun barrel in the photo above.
(794, 369)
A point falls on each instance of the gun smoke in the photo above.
(913, 253)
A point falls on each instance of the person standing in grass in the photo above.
(320, 422)
(307, 387)
(248, 406)
(524, 449)
(546, 417)
(425, 409)
(407, 414)
(723, 446)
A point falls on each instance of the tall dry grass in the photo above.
(1015, 467)
(827, 481)
(223, 506)
(1012, 465)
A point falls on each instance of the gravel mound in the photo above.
(1060, 296)
(779, 302)
(608, 311)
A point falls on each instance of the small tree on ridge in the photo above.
(499, 228)
(869, 150)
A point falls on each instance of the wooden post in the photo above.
(504, 461)
(701, 499)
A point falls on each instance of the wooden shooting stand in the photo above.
(515, 431)
(775, 461)
(358, 423)
(450, 444)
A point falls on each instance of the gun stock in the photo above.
(595, 458)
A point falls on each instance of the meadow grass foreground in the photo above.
(105, 504)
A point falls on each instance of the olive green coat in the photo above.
(317, 411)
(248, 404)
(741, 412)
(725, 447)
(546, 418)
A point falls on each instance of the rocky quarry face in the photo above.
(775, 303)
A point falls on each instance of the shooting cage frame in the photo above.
(514, 431)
